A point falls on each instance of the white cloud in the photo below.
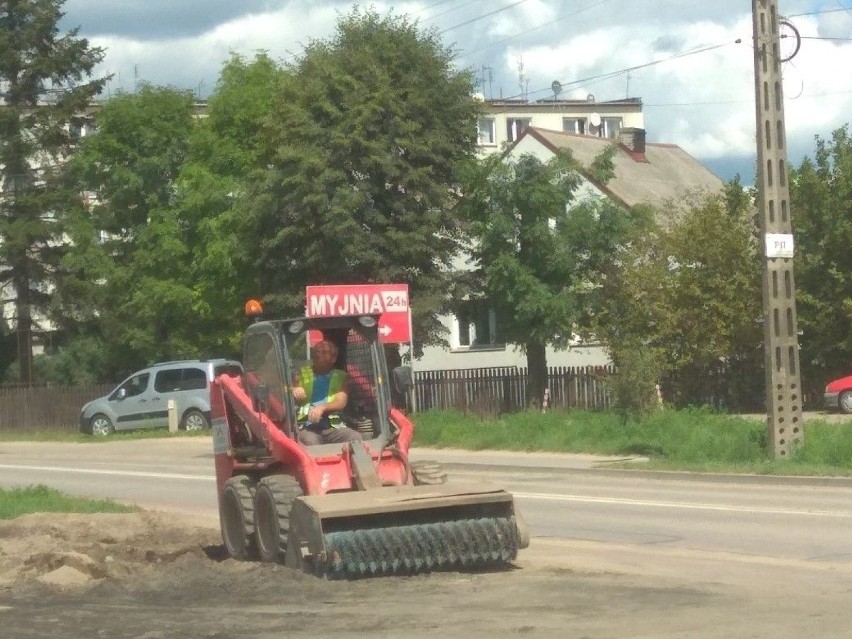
(703, 102)
(529, 15)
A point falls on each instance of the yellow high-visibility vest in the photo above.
(306, 381)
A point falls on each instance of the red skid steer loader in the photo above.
(345, 510)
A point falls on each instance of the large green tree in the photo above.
(538, 252)
(45, 81)
(821, 210)
(227, 149)
(128, 271)
(163, 257)
(688, 293)
(365, 141)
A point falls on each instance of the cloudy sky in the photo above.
(690, 62)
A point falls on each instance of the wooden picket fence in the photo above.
(481, 390)
(504, 389)
(43, 407)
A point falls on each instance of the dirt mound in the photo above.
(74, 551)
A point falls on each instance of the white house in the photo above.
(644, 174)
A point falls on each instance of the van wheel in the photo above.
(100, 426)
(194, 420)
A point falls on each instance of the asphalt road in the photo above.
(633, 553)
(570, 497)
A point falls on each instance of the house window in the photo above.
(76, 130)
(516, 126)
(610, 127)
(80, 127)
(574, 125)
(477, 326)
(486, 132)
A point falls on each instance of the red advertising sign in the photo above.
(389, 301)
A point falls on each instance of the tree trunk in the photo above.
(24, 329)
(537, 374)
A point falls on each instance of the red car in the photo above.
(838, 395)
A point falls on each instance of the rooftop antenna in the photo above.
(556, 86)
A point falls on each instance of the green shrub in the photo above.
(634, 383)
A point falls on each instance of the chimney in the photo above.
(632, 138)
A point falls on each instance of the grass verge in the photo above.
(699, 439)
(694, 440)
(15, 502)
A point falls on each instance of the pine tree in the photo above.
(45, 82)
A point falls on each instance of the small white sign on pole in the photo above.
(779, 245)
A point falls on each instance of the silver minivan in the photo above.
(142, 400)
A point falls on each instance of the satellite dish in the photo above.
(595, 119)
(590, 97)
(557, 89)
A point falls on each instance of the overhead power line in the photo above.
(434, 4)
(826, 38)
(651, 105)
(816, 13)
(490, 13)
(455, 7)
(613, 74)
(536, 28)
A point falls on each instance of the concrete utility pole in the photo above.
(781, 337)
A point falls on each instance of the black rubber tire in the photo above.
(236, 518)
(272, 502)
(844, 402)
(101, 426)
(428, 473)
(194, 421)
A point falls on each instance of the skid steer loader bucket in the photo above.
(404, 530)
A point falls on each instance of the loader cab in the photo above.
(275, 351)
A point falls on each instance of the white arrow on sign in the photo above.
(385, 330)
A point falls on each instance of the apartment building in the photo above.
(505, 120)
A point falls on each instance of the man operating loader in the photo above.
(321, 391)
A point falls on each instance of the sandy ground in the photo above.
(155, 576)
